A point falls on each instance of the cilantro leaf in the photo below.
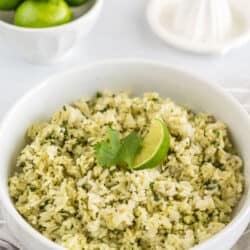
(106, 151)
(116, 151)
(131, 146)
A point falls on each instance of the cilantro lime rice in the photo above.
(61, 190)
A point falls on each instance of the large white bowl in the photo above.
(48, 45)
(138, 77)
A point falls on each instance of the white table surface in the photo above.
(121, 32)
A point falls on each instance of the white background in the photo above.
(121, 32)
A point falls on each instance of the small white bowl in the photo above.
(48, 45)
(138, 77)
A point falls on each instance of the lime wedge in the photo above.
(155, 146)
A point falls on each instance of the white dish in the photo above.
(48, 45)
(135, 76)
(200, 26)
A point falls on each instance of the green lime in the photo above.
(155, 146)
(9, 4)
(42, 13)
(76, 2)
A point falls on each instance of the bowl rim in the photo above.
(5, 199)
(94, 9)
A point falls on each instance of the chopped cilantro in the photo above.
(217, 134)
(98, 94)
(212, 184)
(64, 123)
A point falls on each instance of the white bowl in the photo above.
(136, 76)
(48, 45)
